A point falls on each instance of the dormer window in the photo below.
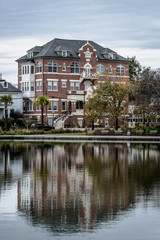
(64, 54)
(63, 51)
(30, 54)
(109, 54)
(4, 84)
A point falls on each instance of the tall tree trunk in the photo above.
(5, 116)
(116, 123)
(92, 125)
(42, 117)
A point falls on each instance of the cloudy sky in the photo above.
(132, 28)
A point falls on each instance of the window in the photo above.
(64, 67)
(22, 87)
(50, 121)
(39, 67)
(74, 67)
(32, 69)
(64, 53)
(77, 86)
(50, 107)
(106, 122)
(29, 105)
(87, 71)
(32, 86)
(63, 106)
(71, 86)
(88, 55)
(39, 85)
(120, 70)
(79, 105)
(52, 66)
(55, 105)
(5, 84)
(87, 85)
(80, 122)
(26, 86)
(30, 54)
(110, 69)
(100, 68)
(55, 86)
(27, 69)
(38, 108)
(63, 84)
(24, 106)
(49, 85)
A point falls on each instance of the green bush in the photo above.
(12, 120)
(20, 122)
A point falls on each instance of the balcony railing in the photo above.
(76, 92)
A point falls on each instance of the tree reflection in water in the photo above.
(67, 187)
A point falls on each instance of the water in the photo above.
(79, 191)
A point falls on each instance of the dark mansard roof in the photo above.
(56, 46)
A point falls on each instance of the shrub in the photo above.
(16, 114)
(12, 120)
(20, 122)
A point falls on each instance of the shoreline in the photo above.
(80, 138)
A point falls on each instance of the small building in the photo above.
(7, 88)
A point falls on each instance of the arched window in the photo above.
(39, 67)
(120, 70)
(74, 67)
(99, 68)
(52, 66)
(87, 71)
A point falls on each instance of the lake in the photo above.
(79, 191)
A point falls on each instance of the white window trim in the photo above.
(39, 85)
(55, 90)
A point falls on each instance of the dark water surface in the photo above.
(79, 191)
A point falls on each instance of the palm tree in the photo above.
(7, 100)
(42, 101)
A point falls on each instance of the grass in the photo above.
(38, 132)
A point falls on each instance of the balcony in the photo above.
(74, 95)
(76, 92)
(79, 112)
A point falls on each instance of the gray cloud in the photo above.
(117, 24)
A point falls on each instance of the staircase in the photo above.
(59, 122)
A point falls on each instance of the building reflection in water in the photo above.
(75, 186)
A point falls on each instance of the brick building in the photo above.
(65, 70)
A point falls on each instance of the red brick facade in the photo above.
(63, 86)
